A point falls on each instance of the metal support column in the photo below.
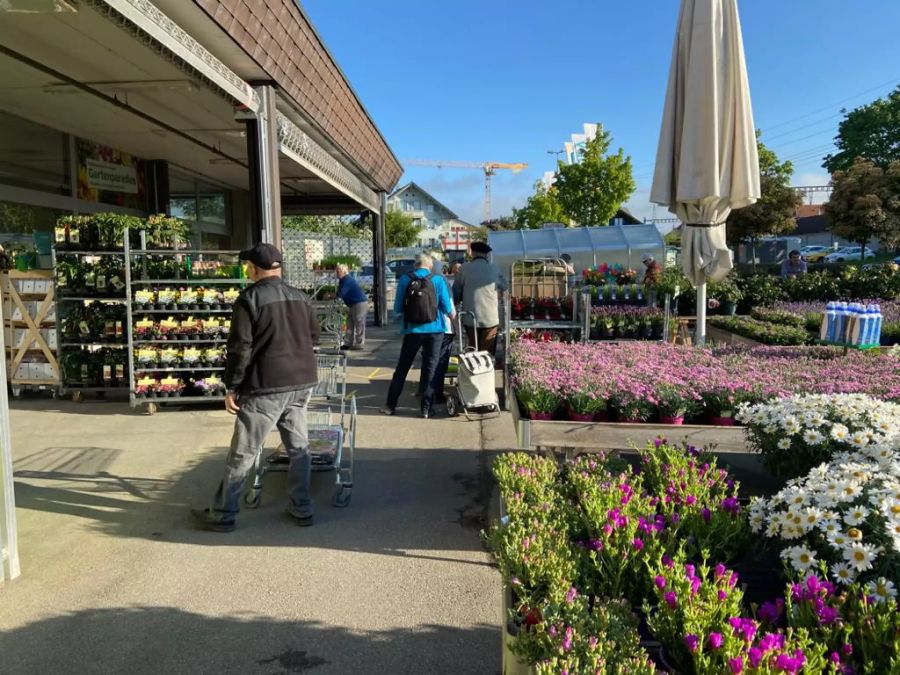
(9, 547)
(262, 156)
(379, 262)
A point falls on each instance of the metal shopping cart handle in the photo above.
(462, 348)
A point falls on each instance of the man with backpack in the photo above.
(422, 302)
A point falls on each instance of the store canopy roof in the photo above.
(169, 91)
(556, 241)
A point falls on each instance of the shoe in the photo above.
(427, 414)
(344, 348)
(387, 411)
(300, 522)
(204, 518)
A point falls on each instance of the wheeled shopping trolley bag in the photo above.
(476, 384)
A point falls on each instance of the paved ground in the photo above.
(116, 579)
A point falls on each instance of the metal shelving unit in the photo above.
(133, 310)
(63, 302)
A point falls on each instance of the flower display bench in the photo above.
(534, 434)
(726, 337)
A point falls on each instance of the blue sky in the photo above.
(507, 80)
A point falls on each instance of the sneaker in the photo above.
(300, 522)
(207, 522)
(427, 414)
(387, 411)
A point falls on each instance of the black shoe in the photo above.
(344, 348)
(206, 521)
(427, 414)
(300, 522)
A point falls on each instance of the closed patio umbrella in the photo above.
(706, 162)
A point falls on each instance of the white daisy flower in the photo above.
(812, 437)
(860, 556)
(839, 540)
(843, 574)
(784, 443)
(856, 515)
(839, 432)
(802, 558)
(882, 589)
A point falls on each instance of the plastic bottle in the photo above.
(827, 330)
(876, 325)
(840, 312)
(865, 321)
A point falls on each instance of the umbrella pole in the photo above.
(700, 334)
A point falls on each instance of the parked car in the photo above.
(817, 256)
(848, 253)
(366, 277)
(808, 251)
(400, 267)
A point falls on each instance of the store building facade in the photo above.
(227, 113)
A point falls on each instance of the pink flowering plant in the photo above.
(698, 500)
(581, 635)
(859, 626)
(698, 619)
(619, 526)
(676, 400)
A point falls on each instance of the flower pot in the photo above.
(729, 308)
(671, 420)
(630, 420)
(722, 421)
(601, 416)
(539, 415)
(580, 417)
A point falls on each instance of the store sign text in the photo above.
(112, 177)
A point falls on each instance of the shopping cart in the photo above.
(332, 433)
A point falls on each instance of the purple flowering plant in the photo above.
(581, 635)
(698, 500)
(860, 626)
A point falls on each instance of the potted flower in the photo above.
(673, 403)
(165, 298)
(168, 357)
(214, 356)
(657, 326)
(537, 397)
(211, 328)
(585, 402)
(632, 408)
(144, 330)
(147, 357)
(727, 294)
(188, 298)
(144, 298)
(191, 329)
(230, 295)
(209, 298)
(145, 387)
(171, 386)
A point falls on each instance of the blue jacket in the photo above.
(350, 292)
(445, 304)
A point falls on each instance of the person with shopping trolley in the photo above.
(270, 375)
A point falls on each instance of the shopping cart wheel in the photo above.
(252, 498)
(452, 406)
(342, 496)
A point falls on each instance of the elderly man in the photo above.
(422, 303)
(653, 271)
(270, 375)
(357, 307)
(476, 287)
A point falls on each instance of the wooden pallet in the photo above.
(34, 341)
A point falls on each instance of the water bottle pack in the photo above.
(853, 324)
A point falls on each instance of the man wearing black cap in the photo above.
(270, 372)
(476, 286)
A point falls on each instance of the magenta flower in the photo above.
(719, 571)
(736, 665)
(691, 641)
(716, 640)
(637, 544)
(671, 599)
(660, 581)
(571, 595)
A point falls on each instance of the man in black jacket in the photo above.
(270, 374)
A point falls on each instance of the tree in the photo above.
(501, 223)
(673, 238)
(871, 132)
(591, 191)
(542, 207)
(773, 213)
(865, 203)
(339, 226)
(399, 230)
(479, 233)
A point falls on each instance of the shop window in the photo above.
(33, 156)
(24, 218)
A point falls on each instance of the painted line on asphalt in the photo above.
(373, 373)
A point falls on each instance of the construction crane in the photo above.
(489, 168)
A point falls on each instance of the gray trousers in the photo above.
(356, 324)
(258, 416)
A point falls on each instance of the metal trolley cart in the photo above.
(332, 433)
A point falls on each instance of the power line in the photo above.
(831, 106)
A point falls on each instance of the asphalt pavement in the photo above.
(116, 579)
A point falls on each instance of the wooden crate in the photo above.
(29, 321)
